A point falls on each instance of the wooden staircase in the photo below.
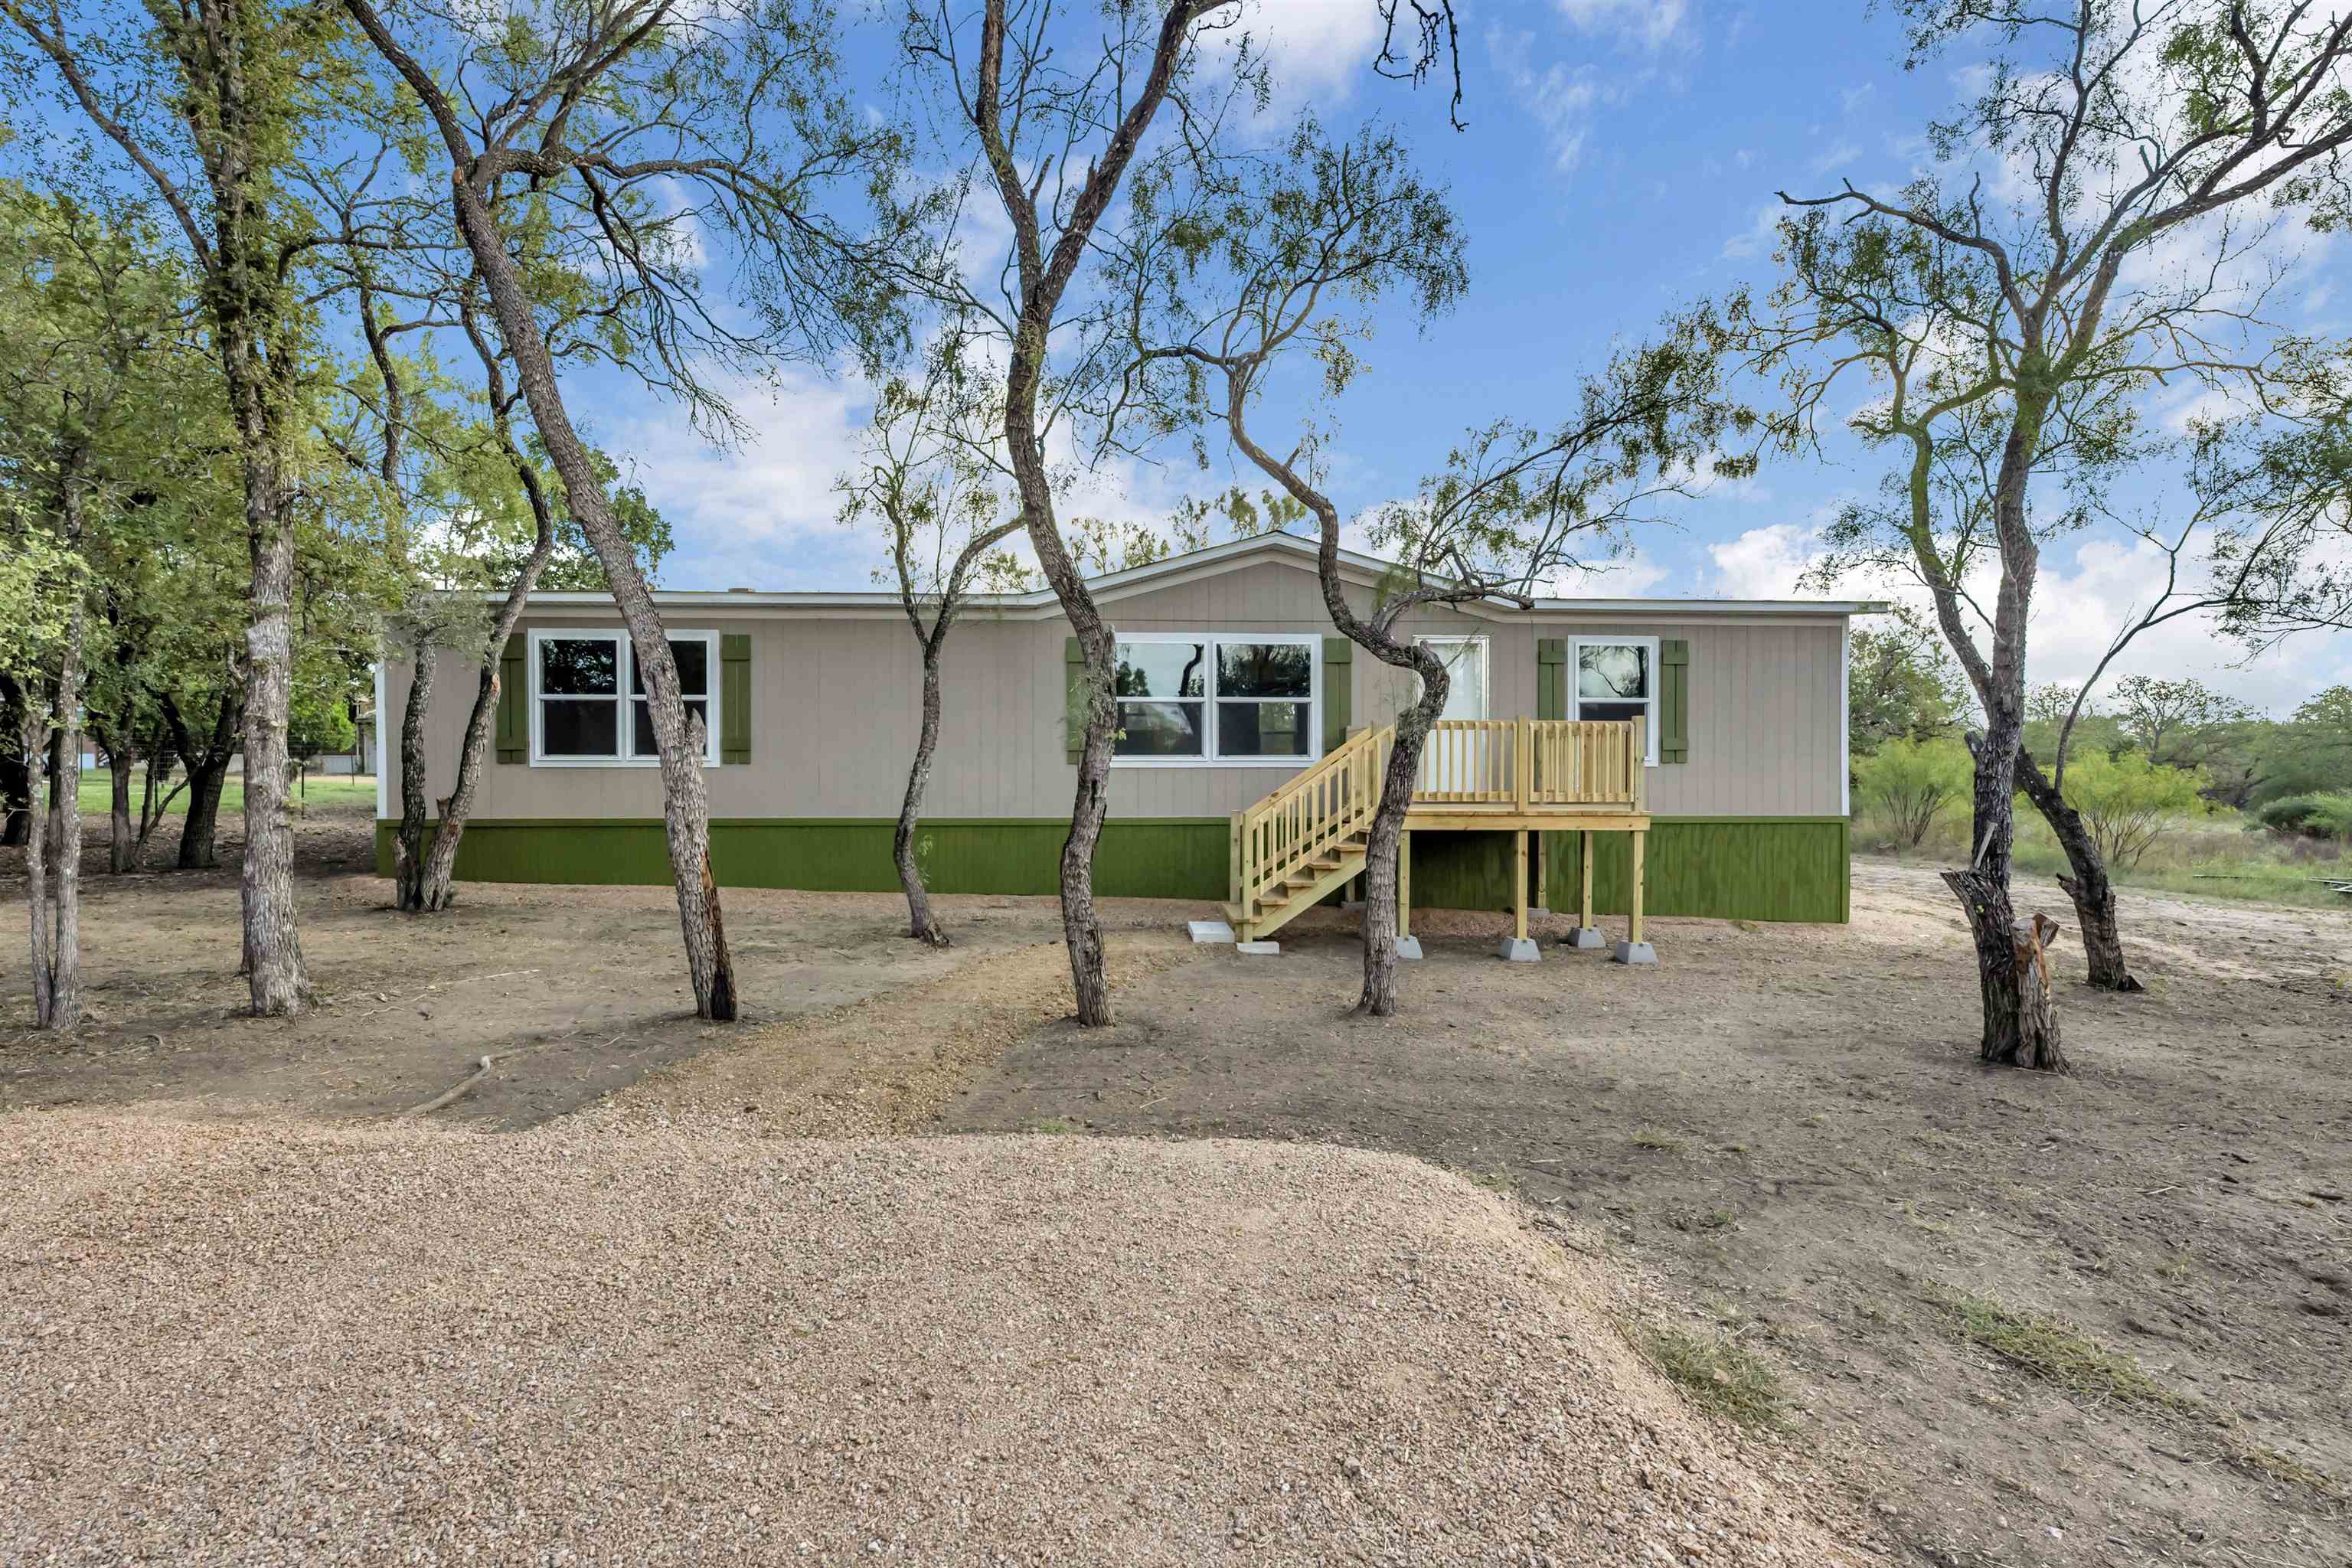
(1305, 841)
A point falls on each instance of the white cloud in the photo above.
(746, 515)
(2080, 599)
(1653, 23)
(1632, 576)
(1560, 98)
(1838, 155)
(1758, 237)
(1318, 48)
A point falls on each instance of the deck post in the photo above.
(1584, 861)
(1633, 949)
(1634, 933)
(1519, 885)
(1404, 885)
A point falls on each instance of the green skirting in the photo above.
(1765, 868)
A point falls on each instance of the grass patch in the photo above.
(2270, 1465)
(1658, 1143)
(1055, 1124)
(2219, 858)
(318, 794)
(1716, 1374)
(2055, 1351)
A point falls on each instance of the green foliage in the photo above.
(1901, 683)
(2127, 801)
(1913, 783)
(2325, 814)
(318, 721)
(1719, 1374)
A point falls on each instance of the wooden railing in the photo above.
(1501, 764)
(1530, 764)
(1327, 803)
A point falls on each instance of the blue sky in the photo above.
(1622, 158)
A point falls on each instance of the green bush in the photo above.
(1913, 782)
(2127, 801)
(2321, 813)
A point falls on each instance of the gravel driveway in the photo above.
(264, 1342)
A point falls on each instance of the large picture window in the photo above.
(583, 715)
(1185, 699)
(1616, 678)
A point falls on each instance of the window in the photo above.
(1465, 674)
(1617, 679)
(581, 713)
(1244, 700)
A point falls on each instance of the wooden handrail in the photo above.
(1521, 765)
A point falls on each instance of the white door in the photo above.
(1452, 763)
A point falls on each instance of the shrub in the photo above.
(2322, 814)
(2127, 801)
(1915, 781)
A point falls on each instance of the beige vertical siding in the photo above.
(835, 709)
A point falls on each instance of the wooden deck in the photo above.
(1306, 839)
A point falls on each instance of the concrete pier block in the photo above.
(1585, 937)
(1259, 949)
(1409, 947)
(1519, 949)
(1635, 952)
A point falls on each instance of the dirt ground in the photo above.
(573, 992)
(1785, 1125)
(1789, 1123)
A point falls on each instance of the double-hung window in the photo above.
(1617, 679)
(588, 697)
(1243, 700)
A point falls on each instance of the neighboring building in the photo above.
(814, 705)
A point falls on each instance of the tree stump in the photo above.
(2021, 1025)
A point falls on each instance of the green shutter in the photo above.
(1674, 700)
(735, 698)
(1552, 677)
(1073, 715)
(514, 705)
(1338, 691)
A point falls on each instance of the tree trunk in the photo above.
(273, 946)
(2015, 1034)
(120, 846)
(53, 848)
(2093, 893)
(16, 769)
(919, 923)
(34, 734)
(1380, 995)
(206, 782)
(1081, 922)
(439, 890)
(408, 848)
(678, 734)
(2033, 1035)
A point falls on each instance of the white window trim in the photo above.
(1486, 661)
(1309, 640)
(1657, 682)
(624, 654)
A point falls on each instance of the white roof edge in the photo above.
(1191, 563)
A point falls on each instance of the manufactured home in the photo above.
(1685, 757)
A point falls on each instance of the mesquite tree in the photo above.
(209, 113)
(1290, 244)
(1067, 120)
(943, 516)
(2040, 291)
(102, 439)
(661, 128)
